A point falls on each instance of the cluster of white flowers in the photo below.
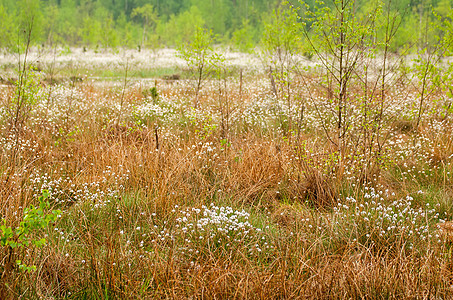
(11, 141)
(417, 159)
(269, 113)
(378, 221)
(64, 190)
(220, 230)
(78, 58)
(58, 103)
(163, 111)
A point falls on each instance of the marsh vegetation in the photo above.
(295, 171)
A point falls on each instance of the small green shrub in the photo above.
(24, 236)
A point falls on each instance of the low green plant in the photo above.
(18, 239)
(152, 93)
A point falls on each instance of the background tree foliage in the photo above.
(159, 23)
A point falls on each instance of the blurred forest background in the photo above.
(96, 24)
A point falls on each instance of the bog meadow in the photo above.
(224, 149)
